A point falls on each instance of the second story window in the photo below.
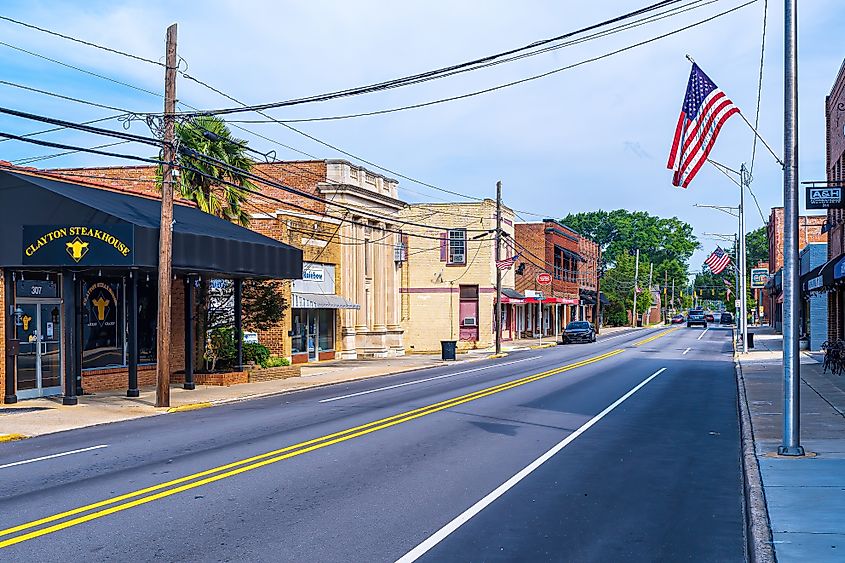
(457, 246)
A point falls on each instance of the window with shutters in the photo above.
(457, 239)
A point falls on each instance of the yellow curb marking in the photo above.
(497, 356)
(267, 458)
(190, 407)
(12, 437)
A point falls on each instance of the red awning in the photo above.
(508, 301)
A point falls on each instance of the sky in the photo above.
(593, 137)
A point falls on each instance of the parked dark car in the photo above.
(579, 331)
(726, 319)
(709, 317)
(696, 317)
(678, 320)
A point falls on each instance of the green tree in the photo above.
(622, 232)
(618, 287)
(215, 188)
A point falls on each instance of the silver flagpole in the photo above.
(791, 365)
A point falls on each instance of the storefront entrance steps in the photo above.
(44, 416)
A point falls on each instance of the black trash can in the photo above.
(448, 349)
(750, 340)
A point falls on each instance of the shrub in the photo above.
(220, 347)
(276, 361)
(257, 353)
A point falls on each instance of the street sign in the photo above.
(737, 303)
(544, 278)
(759, 277)
(828, 197)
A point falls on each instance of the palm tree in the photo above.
(208, 176)
(208, 172)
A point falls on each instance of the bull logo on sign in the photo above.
(77, 249)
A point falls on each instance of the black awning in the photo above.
(512, 293)
(820, 277)
(50, 223)
(587, 296)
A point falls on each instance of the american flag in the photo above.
(728, 286)
(718, 261)
(705, 110)
(507, 262)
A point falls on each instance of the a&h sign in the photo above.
(828, 197)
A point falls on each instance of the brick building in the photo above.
(549, 246)
(349, 305)
(448, 286)
(80, 279)
(809, 231)
(835, 168)
(588, 279)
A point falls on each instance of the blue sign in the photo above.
(839, 269)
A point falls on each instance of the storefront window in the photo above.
(147, 320)
(298, 325)
(102, 323)
(326, 328)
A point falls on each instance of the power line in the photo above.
(433, 74)
(61, 96)
(82, 70)
(226, 111)
(30, 160)
(626, 27)
(82, 41)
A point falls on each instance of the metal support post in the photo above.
(791, 365)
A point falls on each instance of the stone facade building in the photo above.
(334, 212)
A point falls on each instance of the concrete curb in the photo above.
(759, 534)
(12, 437)
(541, 346)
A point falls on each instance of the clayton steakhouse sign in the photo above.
(60, 245)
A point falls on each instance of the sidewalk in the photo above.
(44, 416)
(805, 496)
(533, 343)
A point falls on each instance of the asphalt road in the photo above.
(626, 449)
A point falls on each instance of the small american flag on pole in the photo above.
(718, 261)
(705, 110)
(728, 287)
(507, 263)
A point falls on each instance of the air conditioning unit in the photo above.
(469, 321)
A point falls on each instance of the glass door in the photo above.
(50, 348)
(27, 365)
(312, 335)
(39, 361)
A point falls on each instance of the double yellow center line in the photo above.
(122, 502)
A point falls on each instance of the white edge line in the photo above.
(702, 333)
(424, 380)
(465, 516)
(685, 351)
(62, 454)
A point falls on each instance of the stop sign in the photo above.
(544, 278)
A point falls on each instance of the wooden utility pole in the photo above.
(498, 324)
(165, 242)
